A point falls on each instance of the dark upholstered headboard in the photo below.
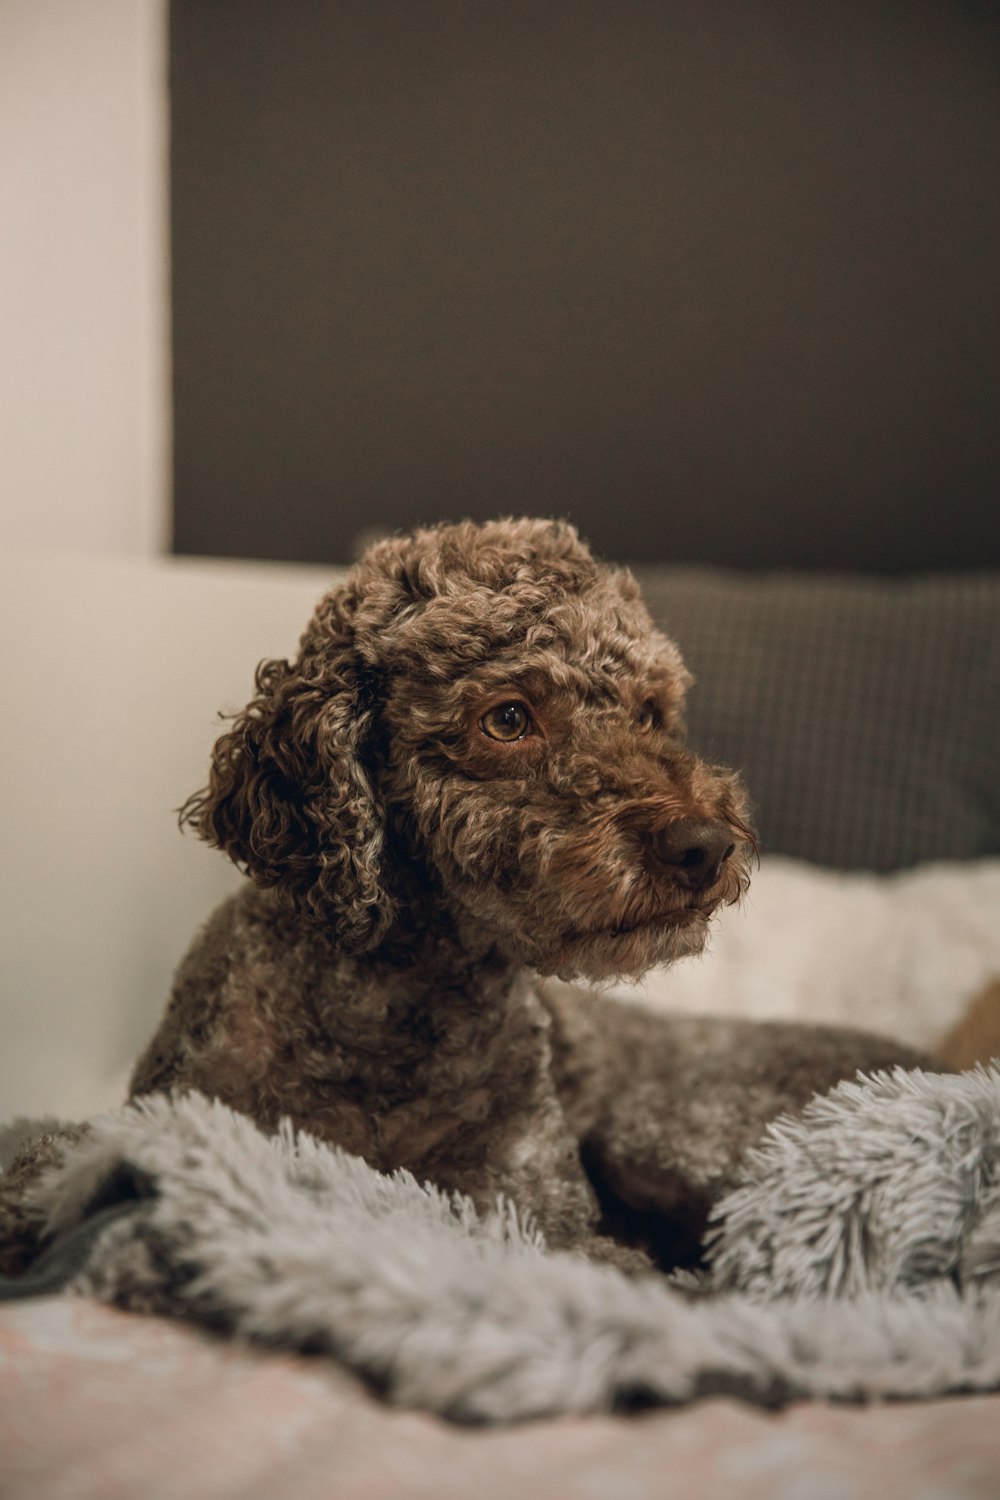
(864, 713)
(715, 280)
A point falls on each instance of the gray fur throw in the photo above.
(859, 1259)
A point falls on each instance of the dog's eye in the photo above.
(646, 718)
(508, 721)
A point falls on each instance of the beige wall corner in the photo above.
(84, 305)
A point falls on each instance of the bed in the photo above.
(865, 716)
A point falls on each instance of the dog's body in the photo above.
(474, 775)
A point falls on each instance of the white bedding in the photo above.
(902, 954)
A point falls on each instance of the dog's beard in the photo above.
(581, 900)
(616, 937)
(626, 954)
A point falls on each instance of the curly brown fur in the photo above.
(411, 872)
(20, 1226)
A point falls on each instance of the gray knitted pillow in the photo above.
(864, 713)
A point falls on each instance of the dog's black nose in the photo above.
(695, 850)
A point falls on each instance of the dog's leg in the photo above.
(666, 1106)
(543, 1174)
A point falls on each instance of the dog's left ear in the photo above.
(290, 798)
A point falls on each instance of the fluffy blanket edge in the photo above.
(859, 1259)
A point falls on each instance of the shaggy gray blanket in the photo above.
(860, 1258)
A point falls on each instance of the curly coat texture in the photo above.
(473, 774)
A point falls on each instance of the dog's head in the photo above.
(489, 708)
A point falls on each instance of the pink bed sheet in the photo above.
(97, 1404)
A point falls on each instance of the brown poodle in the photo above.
(472, 775)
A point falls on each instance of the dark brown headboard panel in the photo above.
(717, 280)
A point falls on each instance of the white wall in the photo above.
(118, 657)
(84, 382)
(111, 695)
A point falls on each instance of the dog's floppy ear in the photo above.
(289, 797)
